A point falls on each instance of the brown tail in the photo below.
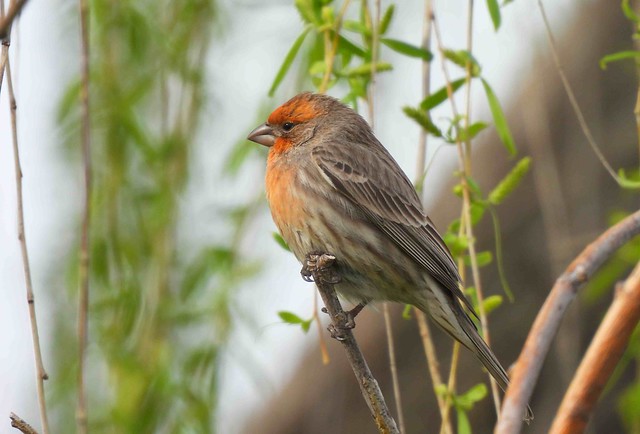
(485, 355)
(450, 316)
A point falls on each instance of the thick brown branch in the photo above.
(603, 355)
(529, 364)
(321, 266)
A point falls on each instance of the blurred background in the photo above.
(186, 277)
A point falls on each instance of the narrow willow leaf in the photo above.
(306, 325)
(491, 303)
(464, 427)
(482, 259)
(423, 119)
(406, 312)
(288, 60)
(346, 45)
(357, 27)
(629, 12)
(510, 182)
(499, 119)
(281, 241)
(625, 182)
(308, 11)
(386, 19)
(366, 68)
(472, 131)
(440, 95)
(290, 317)
(494, 11)
(407, 49)
(461, 58)
(475, 394)
(615, 57)
(499, 261)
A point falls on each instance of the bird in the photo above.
(333, 187)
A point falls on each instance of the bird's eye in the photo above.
(287, 126)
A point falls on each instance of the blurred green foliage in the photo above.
(159, 310)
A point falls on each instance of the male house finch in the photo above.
(332, 187)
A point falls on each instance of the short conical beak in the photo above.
(262, 135)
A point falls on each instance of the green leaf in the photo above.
(464, 427)
(290, 317)
(288, 60)
(473, 130)
(473, 395)
(423, 119)
(440, 95)
(281, 241)
(629, 12)
(621, 55)
(344, 45)
(494, 11)
(510, 182)
(491, 303)
(406, 312)
(309, 11)
(482, 258)
(357, 27)
(462, 58)
(625, 181)
(499, 119)
(306, 325)
(386, 19)
(407, 49)
(366, 68)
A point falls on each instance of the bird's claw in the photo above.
(320, 265)
(342, 322)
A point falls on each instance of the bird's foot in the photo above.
(344, 321)
(320, 266)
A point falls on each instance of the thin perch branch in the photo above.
(20, 424)
(601, 359)
(529, 364)
(41, 374)
(321, 268)
(5, 23)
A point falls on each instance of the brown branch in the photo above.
(601, 358)
(20, 424)
(529, 364)
(83, 272)
(393, 367)
(7, 20)
(22, 237)
(321, 268)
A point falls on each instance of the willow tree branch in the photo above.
(20, 424)
(529, 364)
(7, 20)
(321, 268)
(601, 358)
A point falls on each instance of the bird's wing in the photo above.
(373, 181)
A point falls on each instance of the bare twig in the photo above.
(331, 48)
(83, 272)
(434, 368)
(20, 424)
(572, 98)
(426, 90)
(465, 167)
(41, 374)
(321, 266)
(392, 365)
(7, 20)
(601, 358)
(527, 368)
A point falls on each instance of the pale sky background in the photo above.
(241, 66)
